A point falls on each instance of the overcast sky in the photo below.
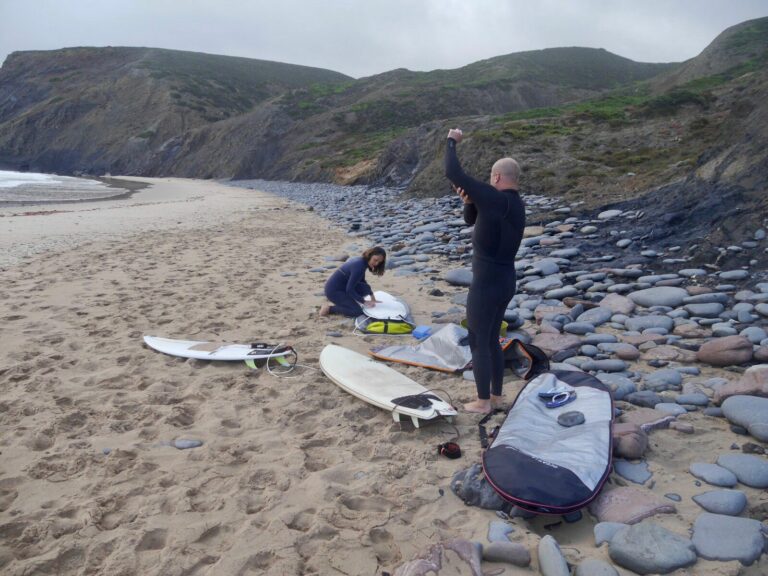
(365, 37)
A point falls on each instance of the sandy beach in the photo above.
(295, 476)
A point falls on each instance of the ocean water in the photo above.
(34, 188)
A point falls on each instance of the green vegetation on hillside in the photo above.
(402, 98)
(356, 149)
(584, 68)
(753, 36)
(219, 87)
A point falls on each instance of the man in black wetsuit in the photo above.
(498, 214)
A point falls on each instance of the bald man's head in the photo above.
(505, 174)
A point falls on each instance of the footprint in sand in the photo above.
(182, 416)
(258, 563)
(8, 492)
(152, 540)
(384, 545)
(302, 521)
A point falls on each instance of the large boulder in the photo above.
(724, 538)
(472, 487)
(659, 296)
(629, 440)
(754, 382)
(727, 351)
(459, 277)
(618, 304)
(553, 343)
(640, 323)
(669, 354)
(629, 505)
(648, 548)
(750, 412)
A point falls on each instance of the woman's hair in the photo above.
(376, 251)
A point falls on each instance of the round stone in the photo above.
(659, 296)
(731, 275)
(572, 418)
(713, 474)
(729, 502)
(724, 538)
(608, 214)
(647, 548)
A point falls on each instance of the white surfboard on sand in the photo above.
(378, 384)
(388, 308)
(216, 350)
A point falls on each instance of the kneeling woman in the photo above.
(347, 287)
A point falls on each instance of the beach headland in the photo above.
(294, 476)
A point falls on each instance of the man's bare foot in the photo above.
(497, 401)
(325, 309)
(478, 406)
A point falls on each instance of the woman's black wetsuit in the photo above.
(347, 287)
(499, 220)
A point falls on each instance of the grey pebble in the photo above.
(604, 531)
(644, 398)
(647, 548)
(661, 380)
(634, 472)
(696, 398)
(507, 552)
(498, 530)
(571, 418)
(595, 567)
(551, 560)
(750, 470)
(579, 328)
(724, 538)
(749, 412)
(185, 444)
(670, 408)
(659, 296)
(713, 474)
(728, 502)
(640, 323)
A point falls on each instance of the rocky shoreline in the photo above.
(672, 342)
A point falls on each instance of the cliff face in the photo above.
(130, 110)
(154, 112)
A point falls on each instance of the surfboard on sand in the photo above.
(217, 350)
(381, 386)
(388, 308)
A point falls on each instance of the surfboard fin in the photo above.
(251, 363)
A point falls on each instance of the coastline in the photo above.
(155, 204)
(295, 475)
(130, 187)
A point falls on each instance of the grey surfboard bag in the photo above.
(542, 466)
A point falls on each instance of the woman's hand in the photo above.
(369, 303)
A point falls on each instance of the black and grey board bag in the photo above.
(548, 466)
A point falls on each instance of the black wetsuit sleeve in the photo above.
(366, 288)
(470, 214)
(483, 195)
(356, 276)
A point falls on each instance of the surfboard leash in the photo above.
(281, 360)
(450, 449)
